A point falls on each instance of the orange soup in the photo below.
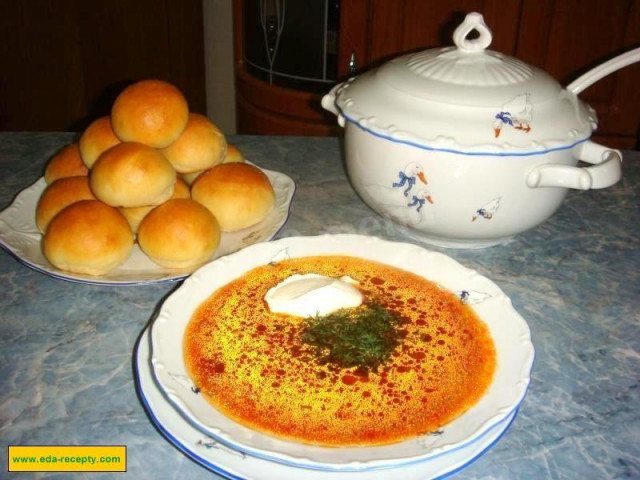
(253, 365)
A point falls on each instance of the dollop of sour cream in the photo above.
(312, 294)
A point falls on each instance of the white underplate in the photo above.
(510, 333)
(230, 463)
(20, 237)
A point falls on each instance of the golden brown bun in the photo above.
(238, 194)
(189, 178)
(88, 237)
(132, 175)
(180, 233)
(66, 163)
(134, 215)
(96, 139)
(233, 154)
(200, 146)
(60, 194)
(152, 112)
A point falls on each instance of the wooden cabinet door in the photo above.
(65, 61)
(378, 30)
(569, 37)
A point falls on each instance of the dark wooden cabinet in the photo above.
(64, 61)
(267, 108)
(563, 37)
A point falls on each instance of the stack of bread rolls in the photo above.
(151, 172)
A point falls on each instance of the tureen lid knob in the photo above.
(473, 21)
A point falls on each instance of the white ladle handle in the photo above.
(595, 74)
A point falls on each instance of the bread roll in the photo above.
(189, 178)
(60, 194)
(238, 194)
(96, 139)
(181, 190)
(134, 215)
(233, 154)
(200, 146)
(132, 175)
(66, 163)
(88, 237)
(180, 233)
(152, 112)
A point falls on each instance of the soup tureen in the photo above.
(464, 146)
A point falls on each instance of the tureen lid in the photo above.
(465, 99)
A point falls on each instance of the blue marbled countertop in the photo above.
(66, 348)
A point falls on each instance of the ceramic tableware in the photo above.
(467, 147)
(234, 464)
(510, 333)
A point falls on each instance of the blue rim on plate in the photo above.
(219, 470)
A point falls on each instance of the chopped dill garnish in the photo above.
(362, 337)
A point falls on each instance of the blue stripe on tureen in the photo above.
(510, 153)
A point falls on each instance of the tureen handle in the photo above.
(607, 169)
(473, 21)
(328, 102)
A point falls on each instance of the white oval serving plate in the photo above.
(20, 237)
(509, 330)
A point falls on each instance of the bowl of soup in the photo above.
(341, 352)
